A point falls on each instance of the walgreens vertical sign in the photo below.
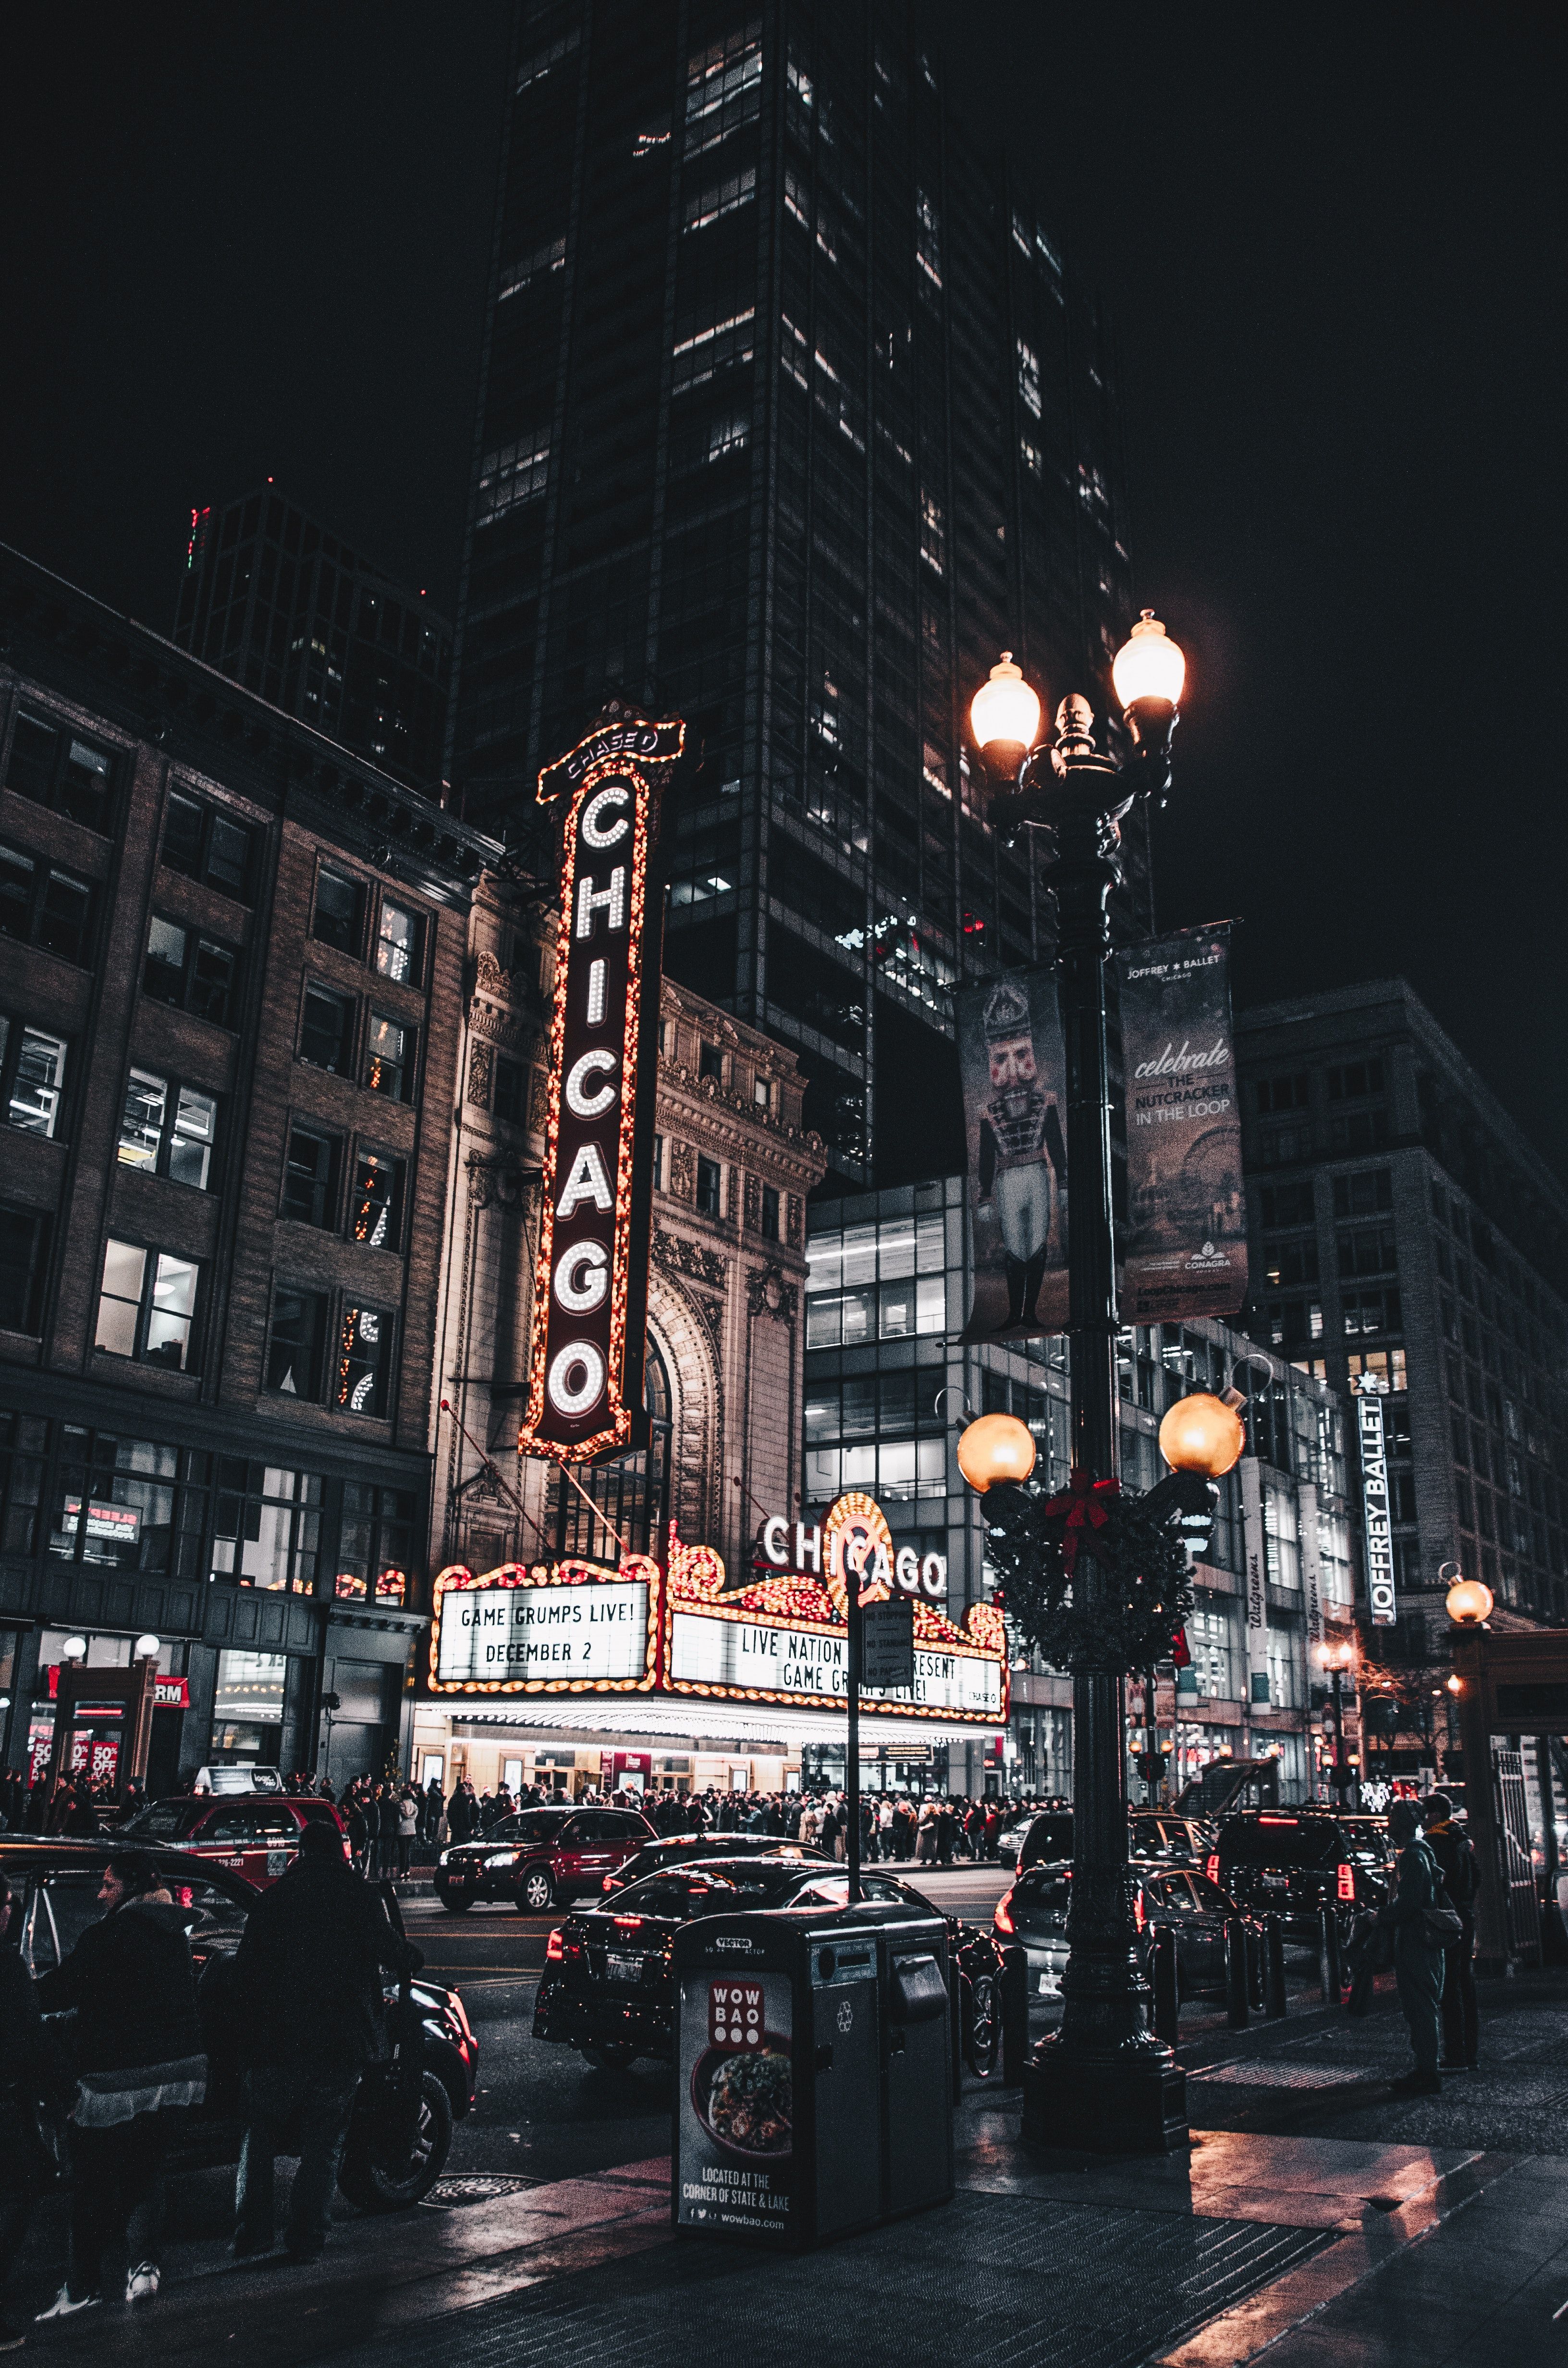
(591, 1283)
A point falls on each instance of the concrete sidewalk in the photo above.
(1313, 2219)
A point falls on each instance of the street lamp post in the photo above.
(1102, 2081)
(1337, 1659)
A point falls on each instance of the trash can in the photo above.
(813, 2080)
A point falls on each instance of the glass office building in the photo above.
(793, 414)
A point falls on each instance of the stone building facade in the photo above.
(230, 980)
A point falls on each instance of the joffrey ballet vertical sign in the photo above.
(591, 1282)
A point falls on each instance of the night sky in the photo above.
(241, 241)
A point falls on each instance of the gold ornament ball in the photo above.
(997, 1447)
(1201, 1433)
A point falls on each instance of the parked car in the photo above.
(1295, 1862)
(1046, 1835)
(1034, 1914)
(607, 1989)
(401, 2129)
(255, 1834)
(1150, 1833)
(660, 1855)
(541, 1858)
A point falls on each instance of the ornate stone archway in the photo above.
(684, 1324)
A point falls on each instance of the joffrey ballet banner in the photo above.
(1012, 1064)
(1185, 1251)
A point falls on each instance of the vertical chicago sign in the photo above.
(591, 1283)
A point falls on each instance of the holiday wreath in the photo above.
(1093, 1577)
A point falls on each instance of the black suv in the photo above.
(1295, 1862)
(401, 2132)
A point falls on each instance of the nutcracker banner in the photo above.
(1185, 1249)
(1013, 1069)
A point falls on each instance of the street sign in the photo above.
(886, 1649)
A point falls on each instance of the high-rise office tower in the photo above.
(272, 599)
(792, 417)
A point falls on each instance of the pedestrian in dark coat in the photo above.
(139, 2060)
(24, 2084)
(430, 1811)
(307, 1988)
(1417, 1959)
(1455, 1854)
(460, 1813)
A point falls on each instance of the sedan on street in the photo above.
(541, 1858)
(1034, 1914)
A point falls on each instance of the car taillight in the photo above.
(554, 1948)
(1213, 1867)
(1140, 1913)
(1345, 1886)
(628, 1923)
(1003, 1918)
(610, 1882)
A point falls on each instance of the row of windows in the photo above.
(141, 1505)
(1353, 1081)
(58, 768)
(342, 1033)
(343, 905)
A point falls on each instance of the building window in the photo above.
(1283, 1093)
(24, 1262)
(1368, 1250)
(294, 1348)
(515, 473)
(877, 1282)
(710, 1063)
(207, 845)
(1356, 1080)
(1373, 1311)
(1354, 1131)
(362, 1378)
(770, 1213)
(147, 1305)
(51, 763)
(376, 1542)
(192, 972)
(32, 1076)
(1287, 1204)
(44, 906)
(168, 1128)
(510, 1099)
(659, 1184)
(762, 1093)
(327, 1029)
(933, 534)
(1365, 1194)
(375, 1207)
(1028, 378)
(400, 943)
(128, 1504)
(310, 1177)
(340, 911)
(389, 1058)
(710, 1188)
(266, 1527)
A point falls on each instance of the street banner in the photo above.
(1014, 1072)
(1185, 1243)
(1380, 1595)
(1311, 1571)
(1255, 1559)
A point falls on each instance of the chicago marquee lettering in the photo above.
(590, 1286)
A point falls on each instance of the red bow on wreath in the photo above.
(1083, 1503)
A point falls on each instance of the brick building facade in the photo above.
(231, 982)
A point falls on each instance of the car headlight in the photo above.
(499, 1858)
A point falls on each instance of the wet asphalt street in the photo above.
(541, 2112)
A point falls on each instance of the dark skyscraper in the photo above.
(792, 417)
(271, 598)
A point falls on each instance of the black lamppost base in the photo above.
(1132, 2102)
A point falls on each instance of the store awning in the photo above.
(757, 1725)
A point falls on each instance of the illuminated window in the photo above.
(168, 1128)
(927, 238)
(933, 534)
(32, 1076)
(389, 1058)
(192, 972)
(147, 1305)
(513, 474)
(544, 259)
(267, 1526)
(1028, 378)
(375, 1205)
(376, 1544)
(364, 1361)
(705, 206)
(51, 763)
(400, 943)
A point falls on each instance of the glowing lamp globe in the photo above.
(1149, 665)
(1469, 1602)
(1004, 712)
(997, 1447)
(1201, 1434)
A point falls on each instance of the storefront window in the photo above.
(247, 1707)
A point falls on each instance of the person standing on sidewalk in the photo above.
(1417, 1958)
(25, 2165)
(308, 1988)
(1455, 1854)
(139, 2059)
(407, 1827)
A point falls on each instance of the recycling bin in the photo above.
(813, 2080)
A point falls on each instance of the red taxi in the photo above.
(255, 1834)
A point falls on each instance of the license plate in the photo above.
(624, 1969)
(1051, 1986)
(1276, 1883)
